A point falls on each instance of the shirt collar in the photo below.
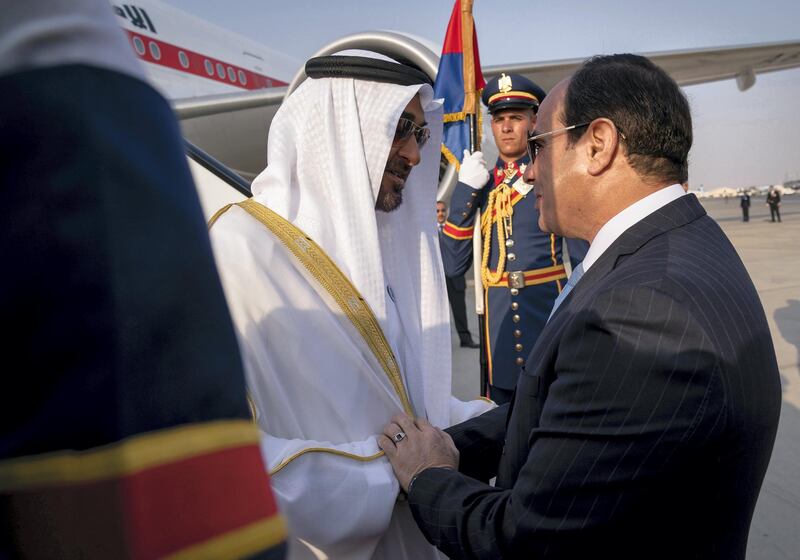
(633, 214)
(517, 162)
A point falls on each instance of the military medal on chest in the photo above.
(509, 172)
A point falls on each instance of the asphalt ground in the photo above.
(771, 253)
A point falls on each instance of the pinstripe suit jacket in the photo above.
(643, 423)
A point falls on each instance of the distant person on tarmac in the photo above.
(774, 203)
(744, 201)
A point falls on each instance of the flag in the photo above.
(459, 81)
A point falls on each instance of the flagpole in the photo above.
(462, 116)
(472, 139)
(471, 107)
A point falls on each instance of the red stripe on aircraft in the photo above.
(168, 55)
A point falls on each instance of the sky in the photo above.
(740, 138)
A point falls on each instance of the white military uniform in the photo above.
(322, 386)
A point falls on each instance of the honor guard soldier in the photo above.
(521, 266)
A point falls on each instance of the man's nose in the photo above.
(529, 174)
(410, 150)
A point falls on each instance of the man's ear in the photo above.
(602, 140)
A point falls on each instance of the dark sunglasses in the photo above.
(407, 127)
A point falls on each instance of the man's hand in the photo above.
(415, 445)
(473, 171)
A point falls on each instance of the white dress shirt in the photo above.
(633, 214)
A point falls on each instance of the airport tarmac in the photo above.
(771, 253)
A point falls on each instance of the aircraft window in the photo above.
(231, 74)
(155, 52)
(220, 71)
(209, 68)
(242, 78)
(184, 59)
(138, 44)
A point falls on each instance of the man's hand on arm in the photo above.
(415, 445)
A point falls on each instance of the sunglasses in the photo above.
(407, 127)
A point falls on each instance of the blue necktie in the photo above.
(573, 279)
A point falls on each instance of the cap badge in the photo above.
(504, 83)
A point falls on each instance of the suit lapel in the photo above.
(677, 213)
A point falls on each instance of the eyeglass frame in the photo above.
(533, 148)
(421, 133)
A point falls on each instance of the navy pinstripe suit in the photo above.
(643, 422)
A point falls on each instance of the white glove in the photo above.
(473, 170)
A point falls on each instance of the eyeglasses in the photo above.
(534, 145)
(533, 141)
(407, 127)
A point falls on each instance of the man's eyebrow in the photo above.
(412, 118)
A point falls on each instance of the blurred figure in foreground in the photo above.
(130, 436)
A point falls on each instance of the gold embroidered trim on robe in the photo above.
(325, 271)
(292, 457)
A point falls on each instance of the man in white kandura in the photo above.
(334, 280)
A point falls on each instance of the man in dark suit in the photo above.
(744, 202)
(643, 422)
(456, 289)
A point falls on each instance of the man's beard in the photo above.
(388, 201)
(390, 197)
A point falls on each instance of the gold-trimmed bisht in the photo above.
(324, 270)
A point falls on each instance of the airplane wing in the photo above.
(233, 127)
(687, 67)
